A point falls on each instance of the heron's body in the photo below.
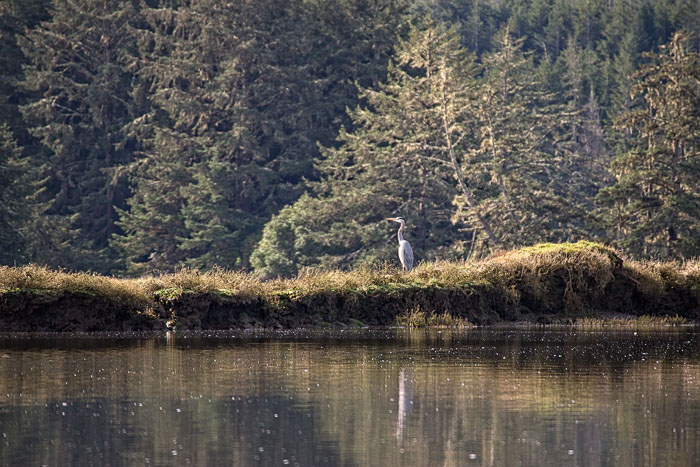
(406, 255)
(405, 250)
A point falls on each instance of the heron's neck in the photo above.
(401, 232)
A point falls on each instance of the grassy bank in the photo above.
(546, 283)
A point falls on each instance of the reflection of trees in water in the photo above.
(359, 403)
(244, 431)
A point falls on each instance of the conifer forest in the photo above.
(271, 136)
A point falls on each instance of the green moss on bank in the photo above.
(542, 283)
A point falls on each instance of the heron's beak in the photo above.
(391, 219)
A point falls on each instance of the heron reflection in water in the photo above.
(405, 400)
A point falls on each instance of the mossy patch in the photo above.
(169, 294)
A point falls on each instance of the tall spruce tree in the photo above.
(17, 206)
(177, 53)
(653, 209)
(23, 159)
(15, 17)
(582, 142)
(526, 191)
(77, 70)
(153, 225)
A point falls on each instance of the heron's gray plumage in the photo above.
(405, 250)
(406, 255)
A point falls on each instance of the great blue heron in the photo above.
(405, 251)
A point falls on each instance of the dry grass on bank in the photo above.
(582, 271)
(38, 279)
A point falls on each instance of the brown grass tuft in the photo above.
(420, 319)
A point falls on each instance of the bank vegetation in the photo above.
(546, 283)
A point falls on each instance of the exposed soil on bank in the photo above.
(546, 284)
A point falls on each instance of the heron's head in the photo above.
(400, 220)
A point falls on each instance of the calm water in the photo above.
(367, 397)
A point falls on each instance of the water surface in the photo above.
(352, 397)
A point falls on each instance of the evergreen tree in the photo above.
(558, 27)
(573, 85)
(177, 53)
(16, 206)
(15, 17)
(623, 67)
(527, 194)
(19, 173)
(653, 209)
(431, 134)
(588, 22)
(77, 70)
(583, 139)
(209, 117)
(594, 146)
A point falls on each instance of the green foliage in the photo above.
(653, 209)
(278, 252)
(148, 135)
(77, 69)
(153, 225)
(16, 206)
(241, 118)
(527, 195)
(436, 134)
(16, 16)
